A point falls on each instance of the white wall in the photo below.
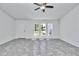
(28, 25)
(69, 27)
(7, 28)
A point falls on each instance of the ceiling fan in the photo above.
(42, 6)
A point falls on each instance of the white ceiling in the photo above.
(26, 10)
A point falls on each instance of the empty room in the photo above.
(39, 29)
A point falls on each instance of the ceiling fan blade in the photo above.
(44, 3)
(49, 6)
(37, 8)
(37, 4)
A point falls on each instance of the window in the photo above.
(50, 29)
(43, 29)
(36, 29)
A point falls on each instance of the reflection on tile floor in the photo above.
(29, 47)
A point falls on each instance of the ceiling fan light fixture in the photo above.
(42, 7)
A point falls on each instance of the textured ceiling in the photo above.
(26, 10)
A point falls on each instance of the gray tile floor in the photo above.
(29, 47)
